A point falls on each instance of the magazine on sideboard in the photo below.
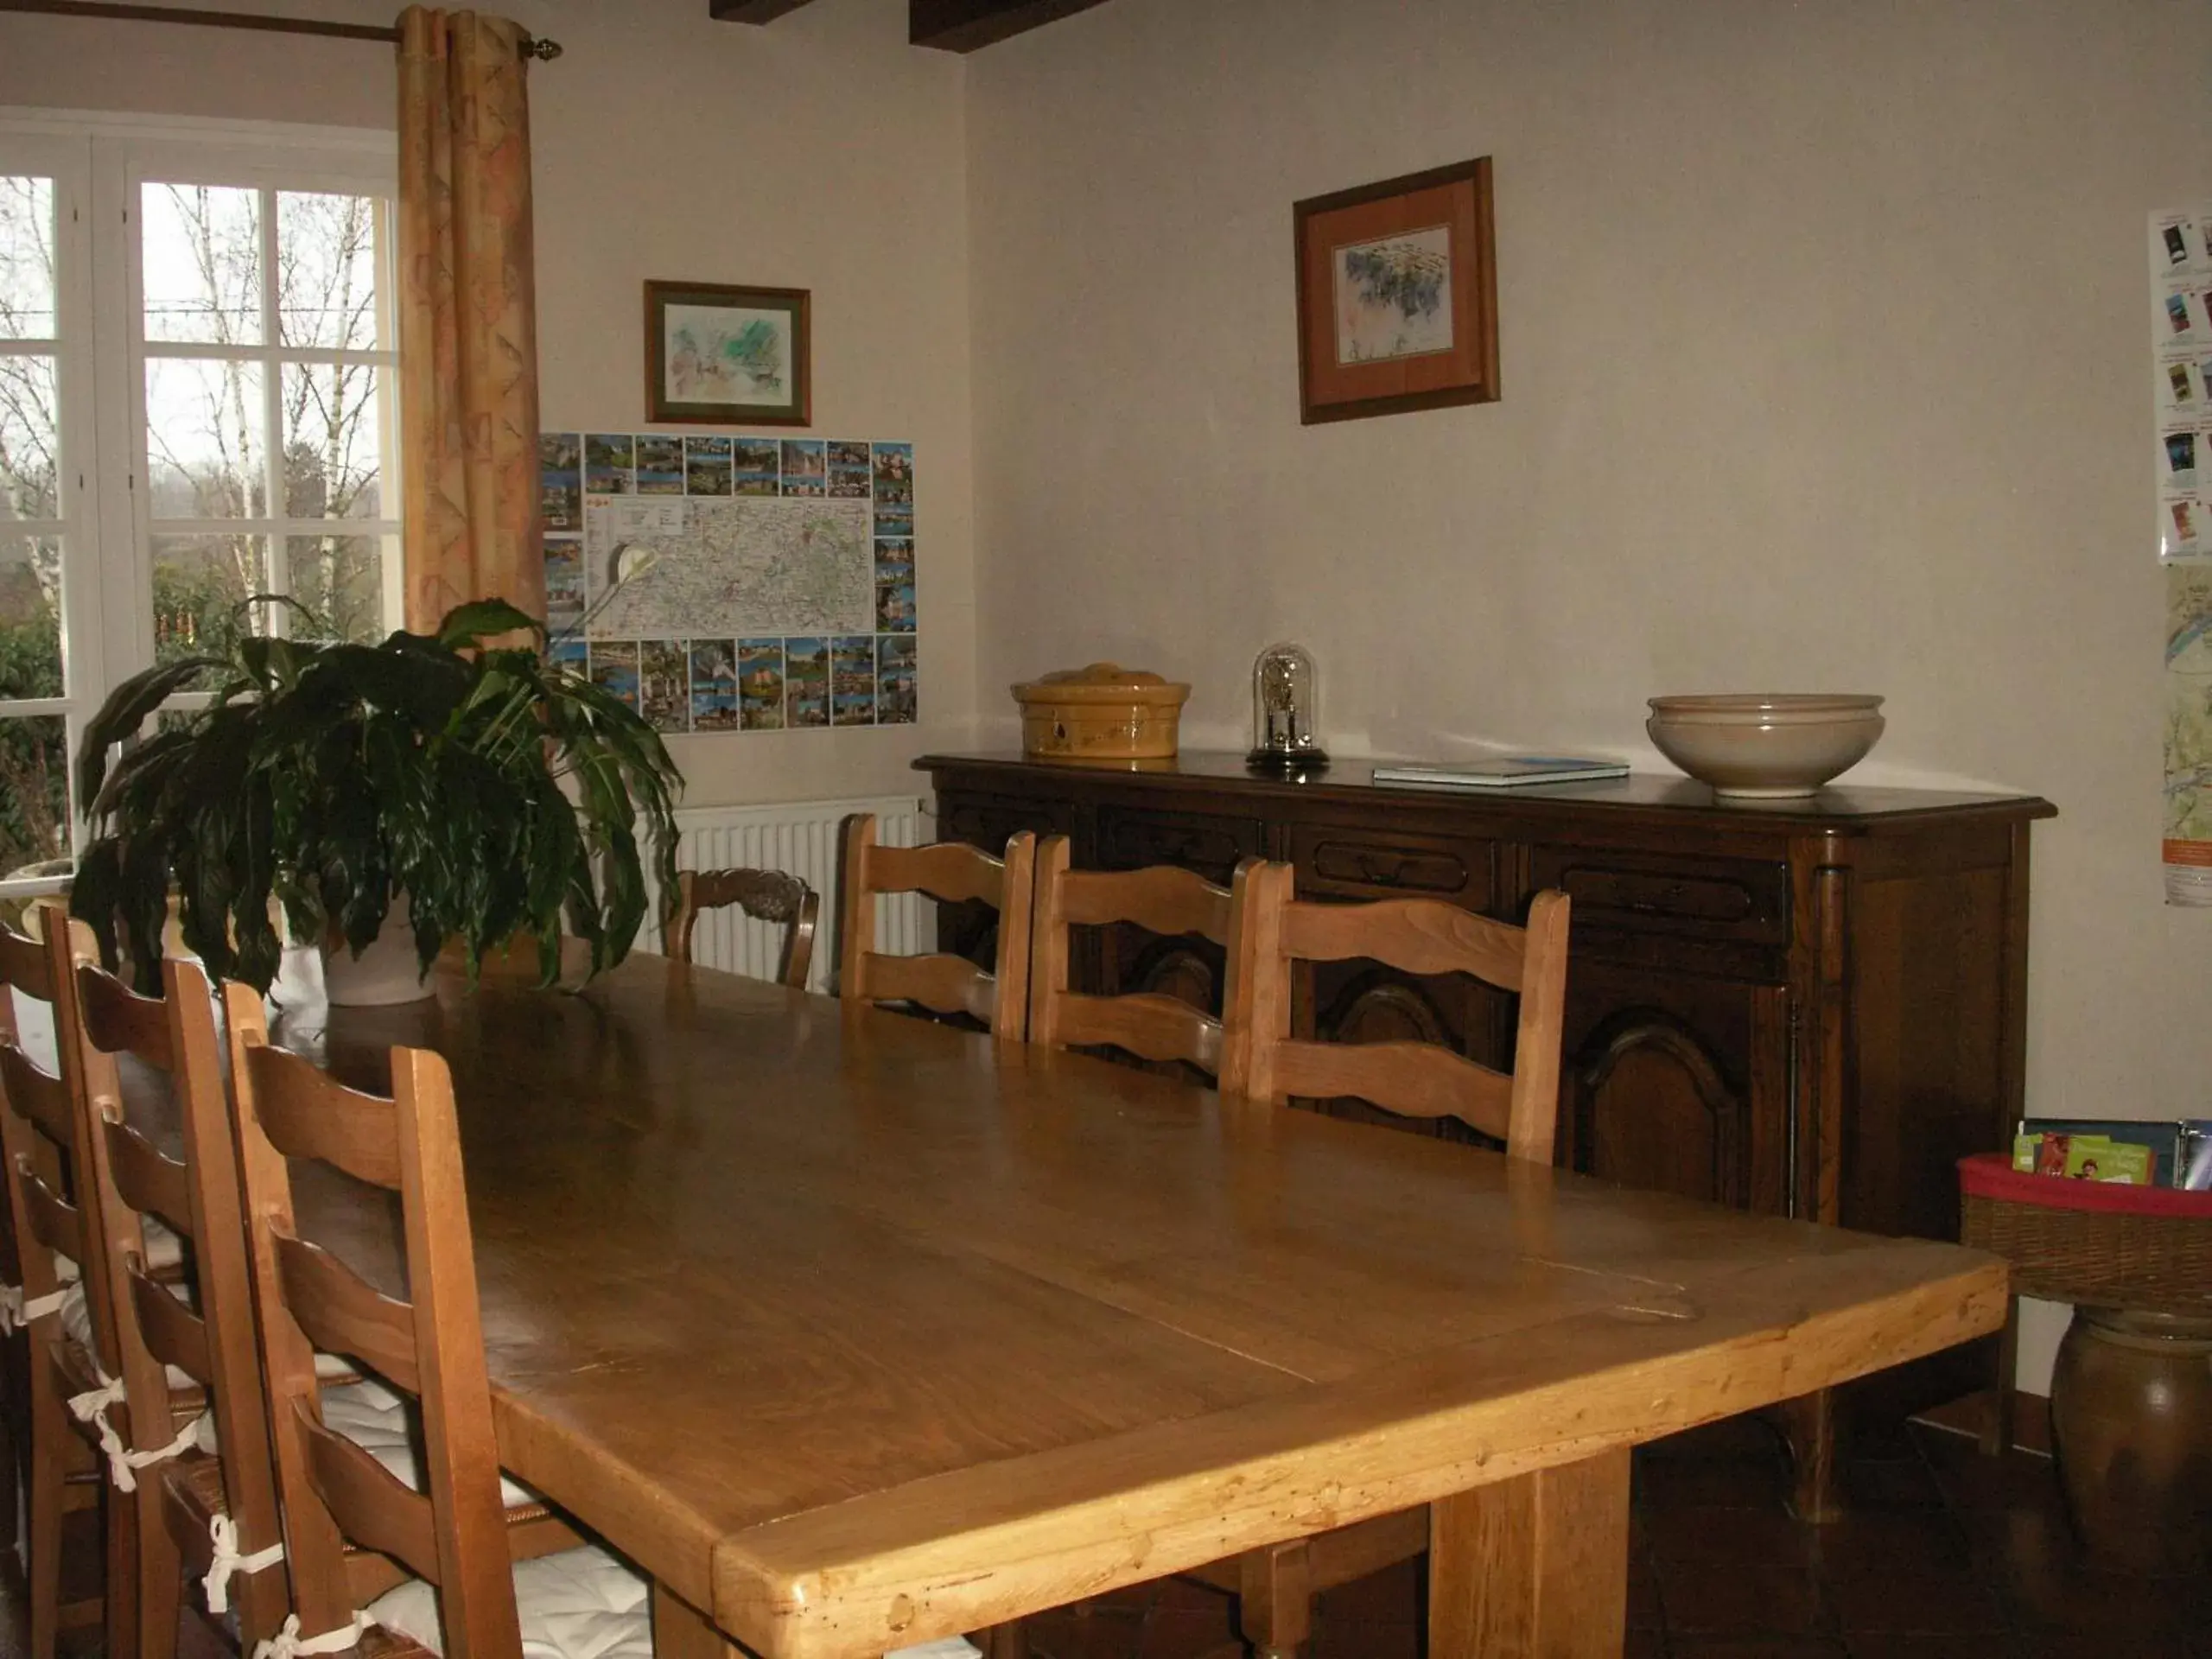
(1499, 771)
(2174, 1152)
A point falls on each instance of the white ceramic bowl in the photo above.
(1774, 747)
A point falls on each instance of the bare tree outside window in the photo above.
(277, 428)
(34, 784)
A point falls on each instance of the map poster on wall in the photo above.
(734, 584)
(2181, 353)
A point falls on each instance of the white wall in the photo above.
(822, 153)
(1825, 367)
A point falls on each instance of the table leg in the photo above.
(1275, 1602)
(1535, 1567)
(1997, 1429)
(1809, 1422)
(682, 1632)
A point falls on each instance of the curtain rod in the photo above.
(530, 48)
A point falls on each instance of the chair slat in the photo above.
(1161, 900)
(23, 965)
(949, 870)
(371, 1506)
(146, 1179)
(58, 1225)
(118, 1020)
(942, 984)
(341, 1313)
(306, 1112)
(173, 1333)
(38, 1096)
(1415, 935)
(1412, 1080)
(1144, 1023)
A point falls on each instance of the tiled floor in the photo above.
(1945, 1556)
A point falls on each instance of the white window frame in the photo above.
(99, 162)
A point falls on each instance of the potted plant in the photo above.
(475, 790)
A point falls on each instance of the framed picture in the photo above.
(727, 356)
(1398, 295)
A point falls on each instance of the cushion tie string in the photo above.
(90, 1407)
(194, 1433)
(17, 1314)
(225, 1533)
(288, 1642)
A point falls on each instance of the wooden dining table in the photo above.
(855, 1330)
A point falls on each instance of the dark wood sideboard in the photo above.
(1808, 1009)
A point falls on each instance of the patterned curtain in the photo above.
(468, 317)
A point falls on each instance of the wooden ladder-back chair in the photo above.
(177, 1355)
(63, 1302)
(1162, 900)
(1415, 936)
(1275, 1587)
(454, 1534)
(764, 895)
(951, 872)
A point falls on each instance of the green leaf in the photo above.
(330, 779)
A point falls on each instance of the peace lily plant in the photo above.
(492, 791)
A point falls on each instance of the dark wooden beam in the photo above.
(966, 25)
(750, 11)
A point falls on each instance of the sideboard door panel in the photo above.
(1678, 1084)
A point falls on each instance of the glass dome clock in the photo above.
(1286, 711)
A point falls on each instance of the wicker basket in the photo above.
(2146, 1247)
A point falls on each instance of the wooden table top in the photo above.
(856, 1331)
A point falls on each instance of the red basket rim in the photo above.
(1991, 1175)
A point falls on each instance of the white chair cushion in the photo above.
(164, 1248)
(381, 1423)
(580, 1604)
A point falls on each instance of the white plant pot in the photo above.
(384, 974)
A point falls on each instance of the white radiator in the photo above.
(799, 837)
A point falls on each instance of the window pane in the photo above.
(326, 271)
(331, 447)
(29, 438)
(199, 581)
(202, 246)
(33, 792)
(204, 440)
(26, 257)
(30, 617)
(341, 580)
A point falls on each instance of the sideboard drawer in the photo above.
(1131, 838)
(1363, 862)
(1743, 899)
(986, 821)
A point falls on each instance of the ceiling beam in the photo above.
(967, 25)
(750, 11)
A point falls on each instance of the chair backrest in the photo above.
(954, 872)
(44, 1127)
(1162, 900)
(1415, 936)
(211, 1337)
(765, 895)
(430, 1346)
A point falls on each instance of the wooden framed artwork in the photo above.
(727, 356)
(1398, 295)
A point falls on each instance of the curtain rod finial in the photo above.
(544, 51)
